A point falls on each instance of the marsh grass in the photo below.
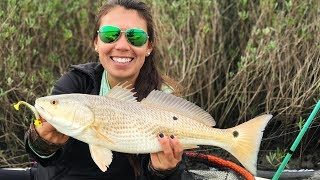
(236, 59)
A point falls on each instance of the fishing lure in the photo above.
(37, 121)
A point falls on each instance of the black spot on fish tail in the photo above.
(235, 134)
(174, 118)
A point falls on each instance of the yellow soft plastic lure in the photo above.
(37, 121)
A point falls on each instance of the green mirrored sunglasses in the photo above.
(136, 37)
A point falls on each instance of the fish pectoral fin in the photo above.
(101, 156)
(190, 146)
(101, 136)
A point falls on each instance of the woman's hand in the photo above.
(49, 133)
(171, 154)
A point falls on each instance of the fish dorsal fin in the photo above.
(121, 92)
(178, 105)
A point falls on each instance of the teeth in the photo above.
(122, 60)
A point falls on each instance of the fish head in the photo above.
(68, 113)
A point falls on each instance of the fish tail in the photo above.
(245, 141)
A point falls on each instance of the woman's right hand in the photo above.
(50, 134)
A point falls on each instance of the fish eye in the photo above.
(54, 102)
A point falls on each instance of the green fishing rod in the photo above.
(296, 141)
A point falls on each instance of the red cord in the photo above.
(243, 172)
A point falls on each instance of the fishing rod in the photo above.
(296, 141)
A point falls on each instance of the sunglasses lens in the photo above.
(136, 37)
(109, 34)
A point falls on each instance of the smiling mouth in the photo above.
(121, 60)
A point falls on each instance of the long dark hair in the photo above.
(149, 77)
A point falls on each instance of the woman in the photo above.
(124, 39)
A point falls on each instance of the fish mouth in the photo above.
(43, 113)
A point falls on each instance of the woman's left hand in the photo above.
(170, 155)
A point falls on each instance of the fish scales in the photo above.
(128, 124)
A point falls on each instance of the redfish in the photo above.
(118, 122)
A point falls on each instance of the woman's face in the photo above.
(122, 60)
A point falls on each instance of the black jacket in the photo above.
(73, 161)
